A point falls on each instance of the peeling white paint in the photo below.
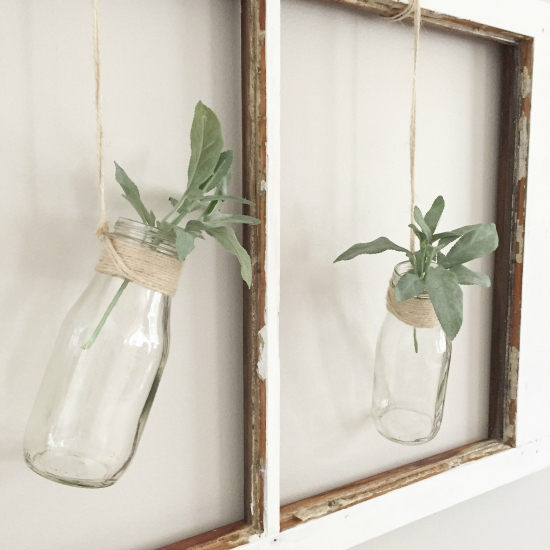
(523, 147)
(512, 389)
(262, 360)
(519, 240)
(263, 186)
(514, 369)
(526, 83)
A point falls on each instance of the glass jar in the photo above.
(100, 384)
(409, 385)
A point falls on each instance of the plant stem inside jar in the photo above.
(110, 307)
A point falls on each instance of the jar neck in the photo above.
(140, 234)
(399, 270)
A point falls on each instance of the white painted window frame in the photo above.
(352, 526)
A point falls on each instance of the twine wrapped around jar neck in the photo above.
(416, 312)
(145, 267)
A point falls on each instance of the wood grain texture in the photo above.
(515, 112)
(374, 486)
(511, 199)
(254, 174)
(223, 538)
(389, 8)
(517, 55)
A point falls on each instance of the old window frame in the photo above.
(518, 442)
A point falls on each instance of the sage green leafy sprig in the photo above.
(197, 211)
(209, 174)
(442, 281)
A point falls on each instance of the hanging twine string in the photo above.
(412, 8)
(416, 312)
(145, 267)
(99, 120)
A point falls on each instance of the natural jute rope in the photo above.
(145, 267)
(142, 266)
(416, 312)
(414, 8)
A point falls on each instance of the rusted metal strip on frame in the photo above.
(254, 175)
(389, 8)
(511, 199)
(372, 487)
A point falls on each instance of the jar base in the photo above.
(63, 466)
(406, 426)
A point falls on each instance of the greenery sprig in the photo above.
(209, 175)
(442, 281)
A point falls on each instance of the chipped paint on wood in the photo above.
(254, 173)
(344, 497)
(262, 360)
(511, 202)
(512, 394)
(519, 242)
(523, 147)
(526, 83)
(223, 538)
(389, 8)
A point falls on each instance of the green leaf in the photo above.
(466, 276)
(374, 247)
(446, 297)
(227, 238)
(131, 194)
(422, 223)
(433, 215)
(221, 189)
(195, 226)
(456, 232)
(446, 241)
(234, 218)
(173, 201)
(165, 227)
(478, 242)
(223, 198)
(409, 286)
(220, 171)
(185, 242)
(206, 146)
(418, 233)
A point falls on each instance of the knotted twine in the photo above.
(145, 267)
(416, 312)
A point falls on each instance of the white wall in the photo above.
(160, 58)
(512, 517)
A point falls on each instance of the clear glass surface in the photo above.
(409, 386)
(93, 403)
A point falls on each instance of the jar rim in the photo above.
(399, 270)
(140, 234)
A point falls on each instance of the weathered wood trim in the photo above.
(511, 200)
(517, 52)
(254, 175)
(516, 103)
(223, 538)
(253, 66)
(388, 8)
(372, 487)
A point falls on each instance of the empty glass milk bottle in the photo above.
(409, 384)
(100, 384)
